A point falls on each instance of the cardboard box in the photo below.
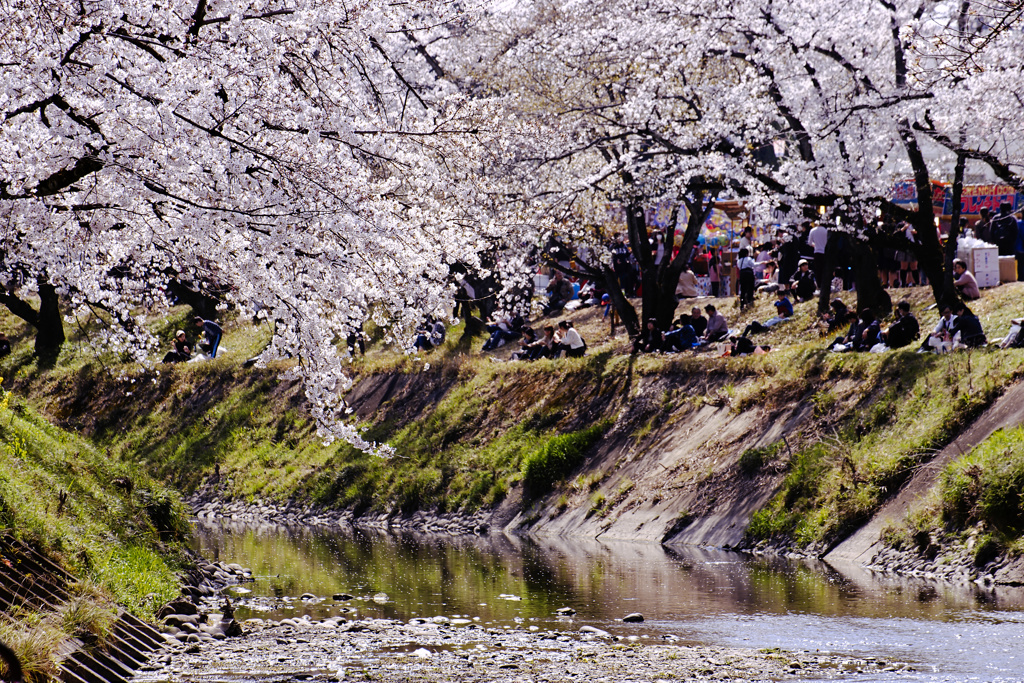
(984, 264)
(1007, 269)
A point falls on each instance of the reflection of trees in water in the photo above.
(428, 575)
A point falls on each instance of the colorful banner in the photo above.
(904, 193)
(977, 197)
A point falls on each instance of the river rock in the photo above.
(565, 611)
(634, 618)
(594, 631)
(381, 598)
(180, 619)
(231, 628)
(307, 596)
(342, 596)
(177, 607)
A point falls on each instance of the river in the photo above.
(701, 596)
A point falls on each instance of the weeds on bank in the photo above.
(39, 639)
(910, 406)
(61, 494)
(978, 500)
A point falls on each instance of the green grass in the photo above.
(546, 466)
(976, 505)
(117, 539)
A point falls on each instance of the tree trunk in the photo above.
(627, 313)
(49, 326)
(949, 294)
(870, 293)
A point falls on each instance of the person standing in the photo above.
(1004, 230)
(1020, 249)
(213, 333)
(622, 265)
(983, 228)
(746, 283)
(817, 238)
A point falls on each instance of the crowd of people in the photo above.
(791, 266)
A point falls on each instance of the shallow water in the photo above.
(702, 596)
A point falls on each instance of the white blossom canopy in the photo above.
(303, 154)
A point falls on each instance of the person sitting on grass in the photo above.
(542, 348)
(717, 329)
(502, 330)
(559, 291)
(783, 312)
(802, 283)
(687, 286)
(569, 340)
(769, 280)
(839, 316)
(650, 339)
(904, 329)
(428, 335)
(181, 353)
(967, 325)
(529, 337)
(965, 282)
(683, 337)
(695, 320)
(213, 333)
(862, 335)
(940, 334)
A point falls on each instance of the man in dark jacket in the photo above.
(803, 284)
(904, 330)
(213, 334)
(1004, 230)
(969, 327)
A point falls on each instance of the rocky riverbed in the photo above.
(446, 649)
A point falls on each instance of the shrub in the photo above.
(563, 453)
(753, 459)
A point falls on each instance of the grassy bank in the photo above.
(104, 521)
(474, 431)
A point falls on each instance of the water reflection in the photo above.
(701, 595)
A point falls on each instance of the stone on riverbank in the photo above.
(426, 653)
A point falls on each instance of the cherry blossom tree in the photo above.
(629, 112)
(303, 154)
(644, 102)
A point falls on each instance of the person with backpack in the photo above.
(1004, 230)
